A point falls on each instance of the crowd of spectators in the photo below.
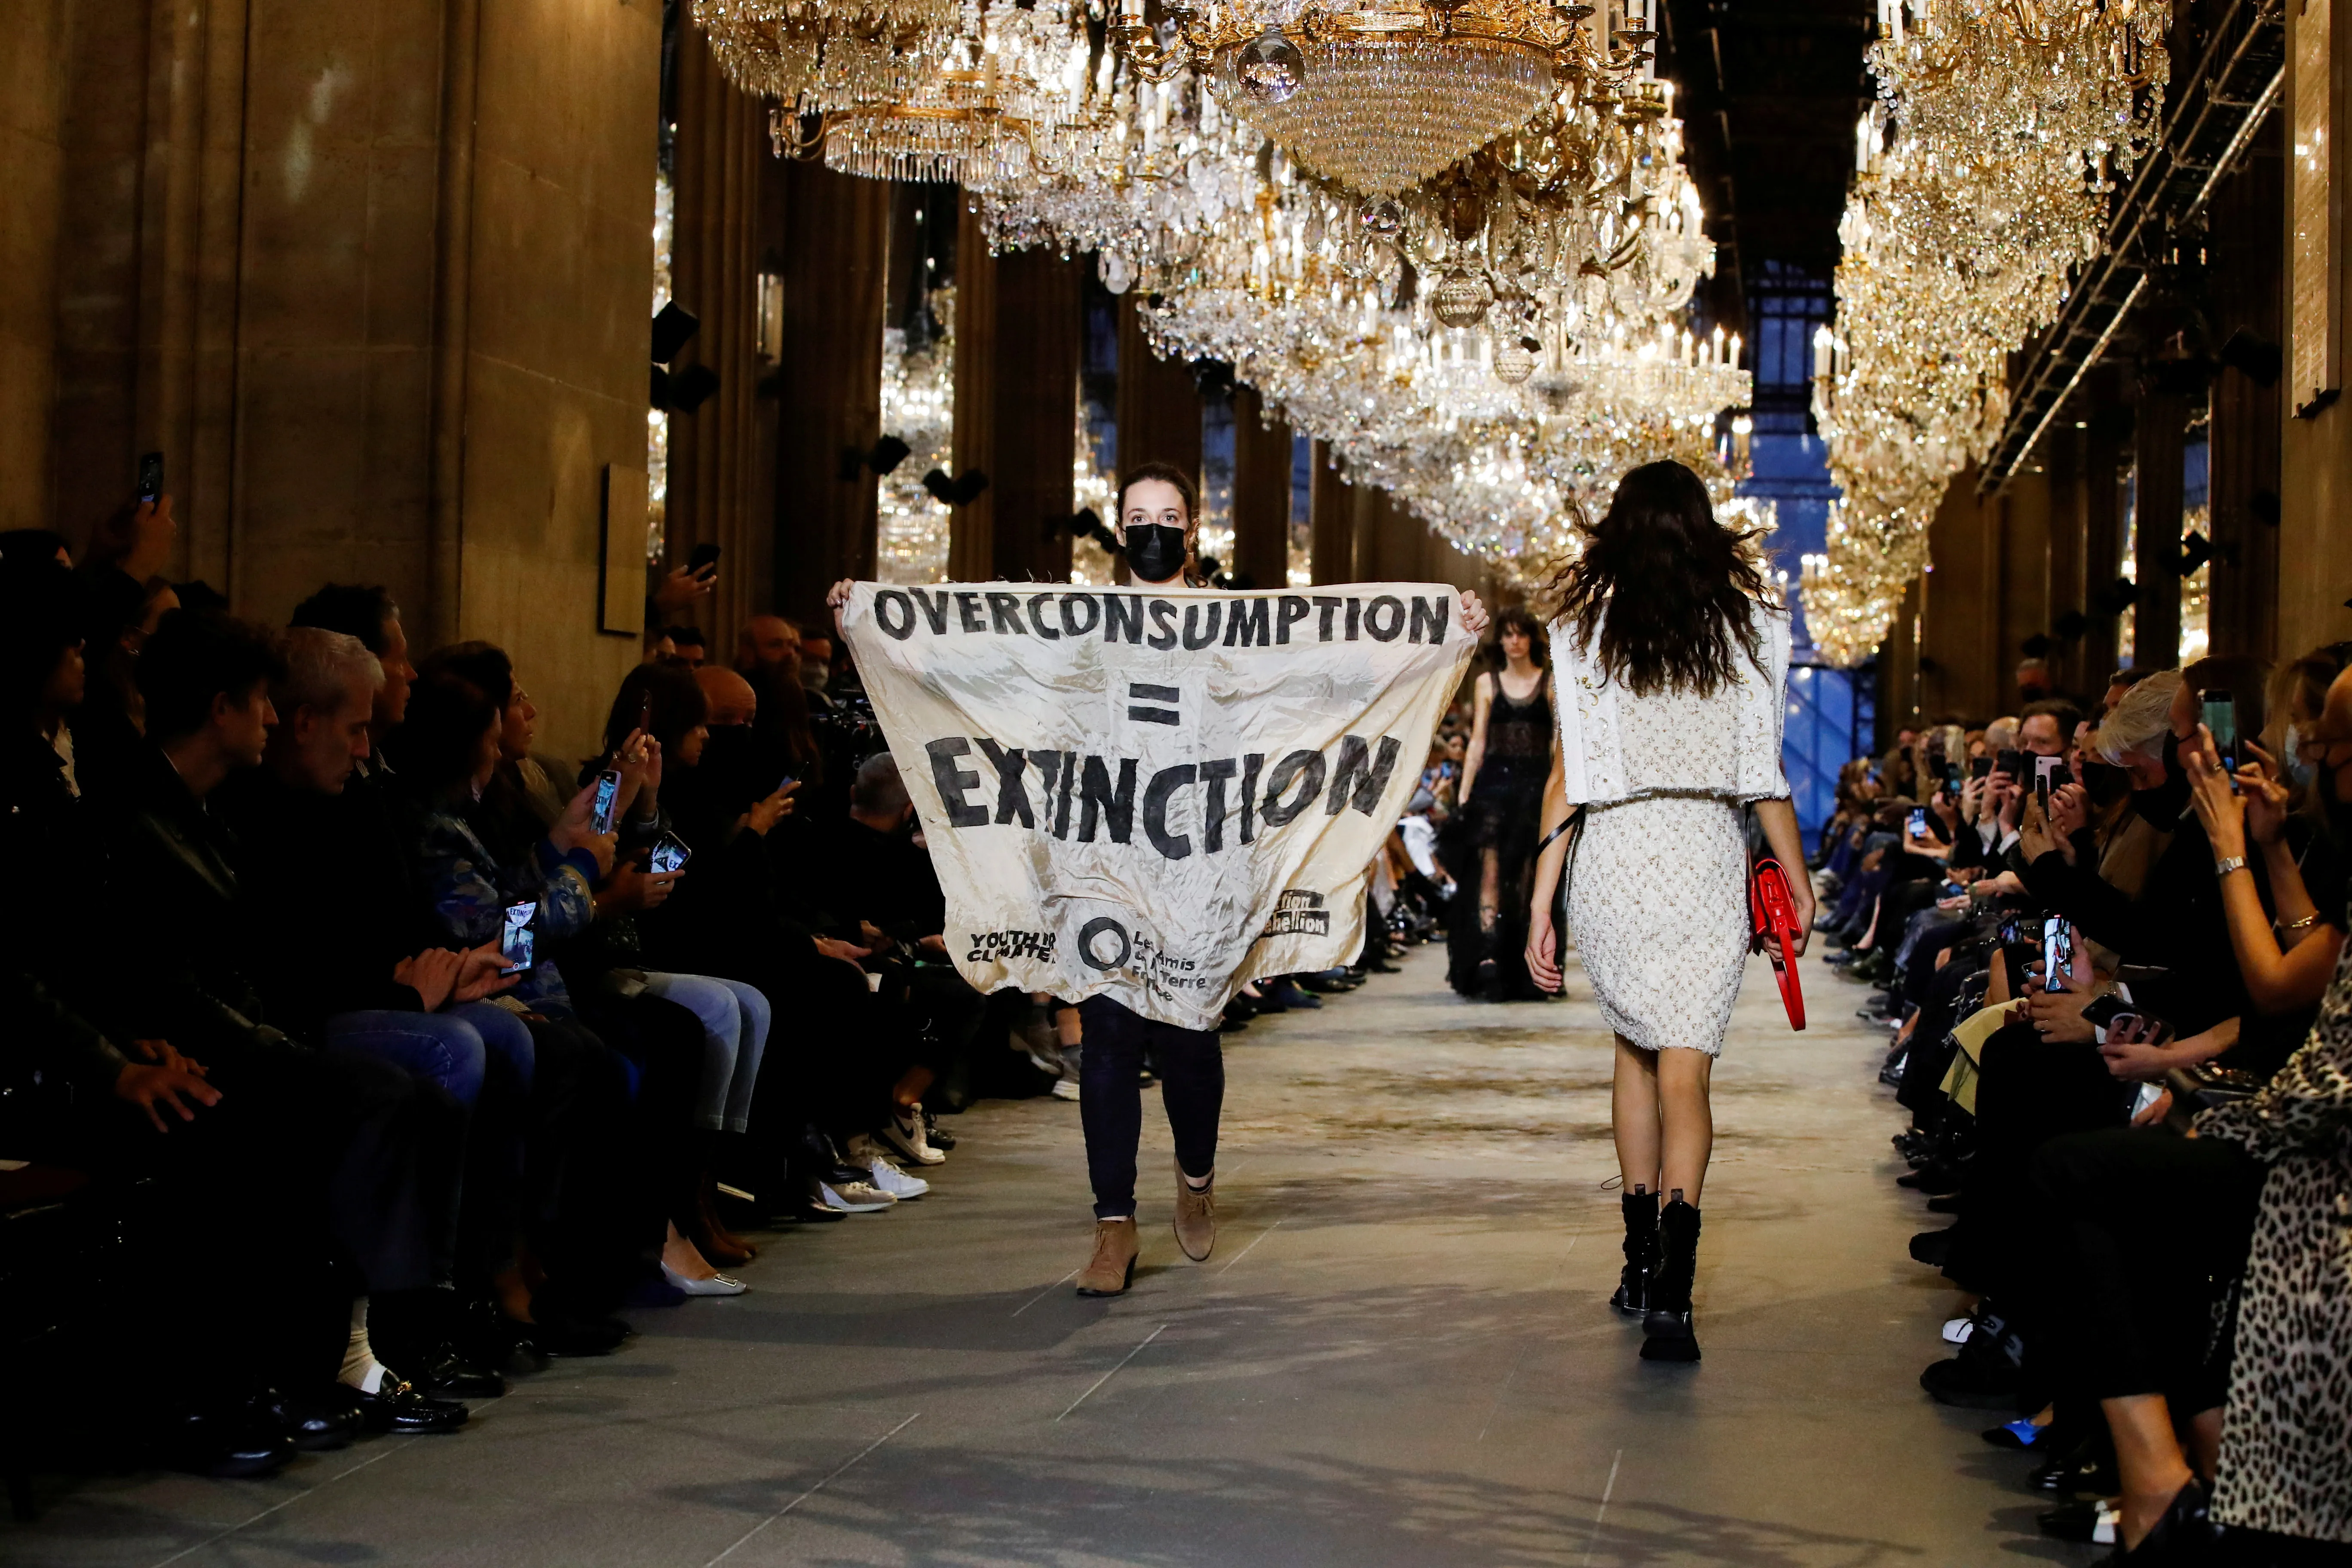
(2109, 949)
(405, 1056)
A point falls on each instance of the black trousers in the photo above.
(1191, 1063)
(2029, 1092)
(2143, 1232)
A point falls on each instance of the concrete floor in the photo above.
(1401, 1352)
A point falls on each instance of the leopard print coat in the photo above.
(2287, 1432)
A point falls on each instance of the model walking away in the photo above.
(1159, 526)
(1495, 821)
(1671, 661)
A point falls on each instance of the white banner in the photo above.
(1158, 795)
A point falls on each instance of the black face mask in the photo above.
(724, 775)
(2163, 804)
(1155, 553)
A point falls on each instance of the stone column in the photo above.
(2245, 239)
(2109, 429)
(971, 528)
(1332, 505)
(1035, 388)
(2158, 434)
(1159, 404)
(829, 408)
(721, 145)
(32, 149)
(2062, 451)
(1261, 492)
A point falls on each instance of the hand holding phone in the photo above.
(515, 935)
(608, 792)
(2057, 954)
(2221, 714)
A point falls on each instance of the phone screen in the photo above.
(670, 854)
(151, 476)
(1918, 822)
(2057, 953)
(608, 790)
(2221, 718)
(515, 936)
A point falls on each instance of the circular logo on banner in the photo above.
(1097, 927)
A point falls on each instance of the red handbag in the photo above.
(1772, 911)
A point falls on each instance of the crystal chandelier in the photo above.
(1379, 95)
(1982, 179)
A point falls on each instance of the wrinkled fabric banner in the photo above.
(1157, 794)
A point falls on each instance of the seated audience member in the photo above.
(816, 672)
(812, 1103)
(684, 1030)
(109, 1107)
(384, 1146)
(688, 642)
(591, 1208)
(380, 979)
(369, 614)
(2148, 1231)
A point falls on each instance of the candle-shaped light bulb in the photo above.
(1821, 351)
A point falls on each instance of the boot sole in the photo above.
(1668, 1337)
(1125, 1286)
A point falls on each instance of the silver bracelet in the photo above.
(2233, 863)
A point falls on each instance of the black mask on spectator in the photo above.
(2104, 783)
(2163, 804)
(1155, 553)
(728, 755)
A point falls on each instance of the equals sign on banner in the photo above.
(1140, 694)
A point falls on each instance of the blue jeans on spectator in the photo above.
(734, 1018)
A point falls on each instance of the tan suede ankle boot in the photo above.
(1112, 1268)
(1196, 1217)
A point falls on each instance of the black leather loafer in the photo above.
(314, 1424)
(401, 1407)
(448, 1375)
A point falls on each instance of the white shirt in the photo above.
(1615, 745)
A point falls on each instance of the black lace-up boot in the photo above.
(1641, 1206)
(1667, 1325)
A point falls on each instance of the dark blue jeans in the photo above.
(1192, 1067)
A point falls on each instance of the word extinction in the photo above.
(1251, 622)
(1104, 790)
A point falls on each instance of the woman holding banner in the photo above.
(1160, 527)
(1672, 661)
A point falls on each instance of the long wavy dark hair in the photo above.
(1671, 593)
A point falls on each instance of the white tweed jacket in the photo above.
(1615, 745)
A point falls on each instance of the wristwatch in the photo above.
(2233, 863)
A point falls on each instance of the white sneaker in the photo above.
(865, 1152)
(906, 1139)
(1957, 1329)
(1066, 1089)
(855, 1198)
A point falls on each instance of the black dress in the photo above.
(1505, 799)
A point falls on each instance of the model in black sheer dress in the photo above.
(1491, 843)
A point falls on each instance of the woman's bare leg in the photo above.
(1490, 890)
(1634, 1116)
(2149, 1460)
(1686, 1122)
